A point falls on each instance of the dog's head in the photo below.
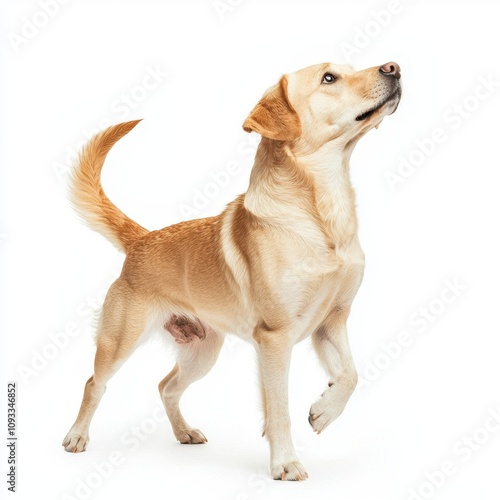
(326, 102)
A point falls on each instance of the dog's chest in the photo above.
(322, 276)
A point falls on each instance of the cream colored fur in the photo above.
(281, 263)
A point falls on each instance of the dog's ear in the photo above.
(274, 116)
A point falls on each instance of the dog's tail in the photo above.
(88, 197)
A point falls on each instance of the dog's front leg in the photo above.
(274, 351)
(332, 346)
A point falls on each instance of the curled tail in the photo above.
(87, 194)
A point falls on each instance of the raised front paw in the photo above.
(323, 412)
(331, 403)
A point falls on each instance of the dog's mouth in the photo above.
(395, 95)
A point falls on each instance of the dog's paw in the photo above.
(323, 412)
(190, 436)
(289, 471)
(75, 442)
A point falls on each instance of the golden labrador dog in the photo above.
(282, 262)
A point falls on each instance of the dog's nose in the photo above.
(391, 68)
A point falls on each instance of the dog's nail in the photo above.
(330, 383)
(283, 476)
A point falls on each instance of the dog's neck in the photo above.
(288, 187)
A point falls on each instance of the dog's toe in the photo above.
(290, 471)
(75, 443)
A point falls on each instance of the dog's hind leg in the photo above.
(194, 360)
(122, 323)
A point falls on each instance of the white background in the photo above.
(412, 412)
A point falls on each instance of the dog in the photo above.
(281, 263)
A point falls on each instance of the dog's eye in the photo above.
(328, 78)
